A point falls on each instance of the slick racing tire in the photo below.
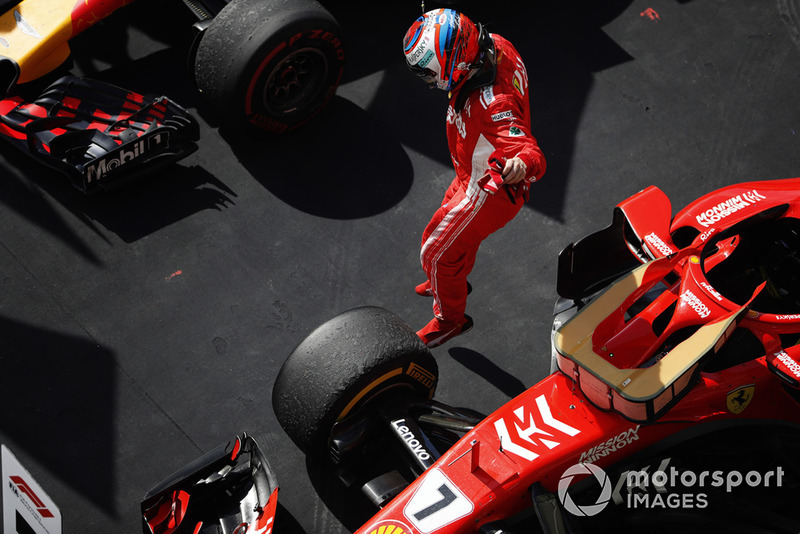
(344, 367)
(272, 63)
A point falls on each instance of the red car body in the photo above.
(618, 389)
(670, 329)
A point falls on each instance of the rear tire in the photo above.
(343, 367)
(272, 63)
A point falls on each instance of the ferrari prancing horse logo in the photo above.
(740, 398)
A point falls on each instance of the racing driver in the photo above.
(494, 154)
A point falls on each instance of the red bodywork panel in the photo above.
(545, 431)
(87, 13)
(488, 474)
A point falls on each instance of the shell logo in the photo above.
(391, 527)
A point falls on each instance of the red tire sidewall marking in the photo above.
(314, 34)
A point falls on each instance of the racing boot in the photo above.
(424, 289)
(439, 331)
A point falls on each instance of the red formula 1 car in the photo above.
(269, 63)
(673, 402)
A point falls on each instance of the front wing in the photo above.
(99, 135)
(231, 489)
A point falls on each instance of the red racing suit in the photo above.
(494, 121)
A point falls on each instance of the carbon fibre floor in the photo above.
(142, 328)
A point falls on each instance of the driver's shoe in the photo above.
(439, 331)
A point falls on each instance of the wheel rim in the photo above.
(295, 82)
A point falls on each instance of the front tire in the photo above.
(343, 368)
(270, 63)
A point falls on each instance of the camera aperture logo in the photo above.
(666, 487)
(588, 509)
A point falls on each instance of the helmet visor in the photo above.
(425, 74)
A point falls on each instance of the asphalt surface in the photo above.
(142, 328)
